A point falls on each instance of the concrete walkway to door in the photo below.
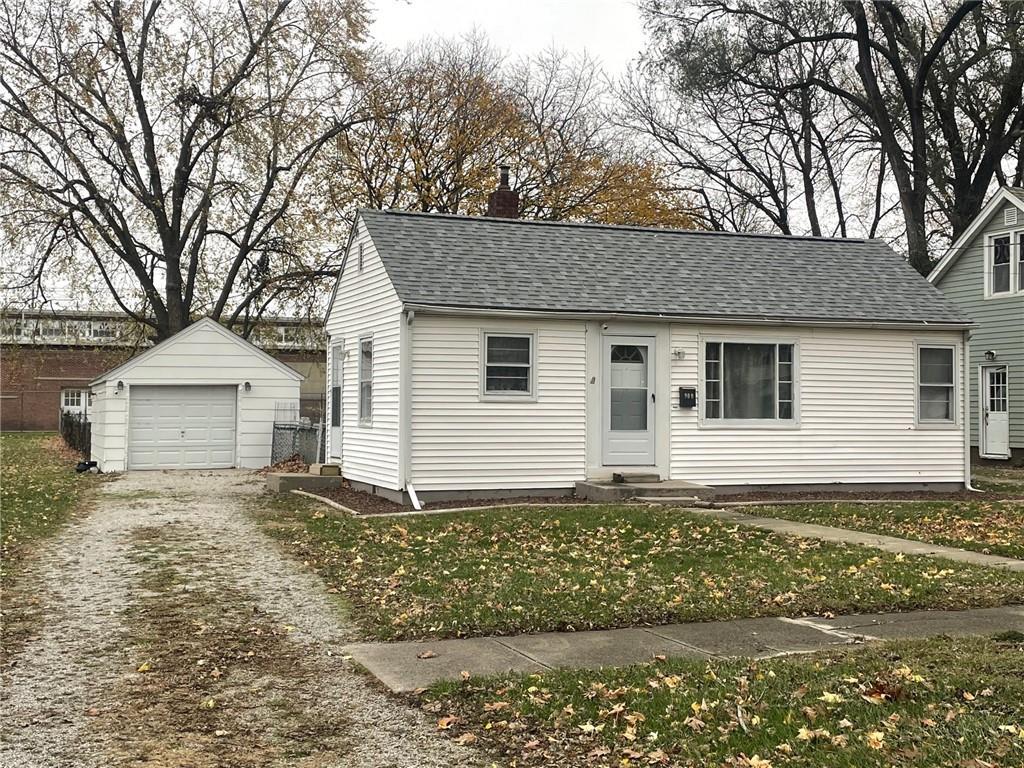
(846, 536)
(407, 666)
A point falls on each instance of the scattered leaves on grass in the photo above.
(992, 527)
(589, 567)
(765, 713)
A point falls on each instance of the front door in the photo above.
(995, 412)
(628, 372)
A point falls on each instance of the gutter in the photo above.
(441, 309)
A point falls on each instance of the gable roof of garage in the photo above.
(204, 323)
(467, 262)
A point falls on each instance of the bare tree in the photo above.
(755, 153)
(902, 70)
(170, 143)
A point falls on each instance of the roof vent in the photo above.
(504, 201)
(1010, 216)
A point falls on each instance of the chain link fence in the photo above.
(306, 440)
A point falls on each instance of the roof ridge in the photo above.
(615, 227)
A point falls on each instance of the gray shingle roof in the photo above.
(463, 261)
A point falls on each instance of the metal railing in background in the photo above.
(77, 432)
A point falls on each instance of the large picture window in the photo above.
(365, 381)
(508, 364)
(748, 381)
(936, 385)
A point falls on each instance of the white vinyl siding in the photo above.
(365, 305)
(200, 355)
(461, 441)
(857, 407)
(1000, 322)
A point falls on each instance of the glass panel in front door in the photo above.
(628, 387)
(997, 390)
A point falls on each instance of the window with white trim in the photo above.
(365, 381)
(508, 364)
(1020, 262)
(936, 385)
(72, 398)
(749, 381)
(1004, 264)
(1001, 265)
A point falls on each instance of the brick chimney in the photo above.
(504, 201)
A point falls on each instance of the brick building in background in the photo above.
(47, 360)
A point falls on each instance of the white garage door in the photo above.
(181, 427)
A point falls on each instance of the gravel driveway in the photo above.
(175, 633)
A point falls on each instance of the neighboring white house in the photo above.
(205, 398)
(494, 355)
(983, 272)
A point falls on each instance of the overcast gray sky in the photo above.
(610, 30)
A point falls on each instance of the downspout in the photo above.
(405, 407)
(966, 397)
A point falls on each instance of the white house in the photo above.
(205, 398)
(492, 355)
(983, 273)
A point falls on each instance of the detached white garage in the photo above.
(203, 399)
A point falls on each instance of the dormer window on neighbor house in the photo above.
(1004, 259)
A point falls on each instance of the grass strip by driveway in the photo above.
(920, 703)
(39, 490)
(993, 527)
(593, 567)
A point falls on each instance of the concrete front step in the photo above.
(603, 490)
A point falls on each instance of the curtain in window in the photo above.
(749, 381)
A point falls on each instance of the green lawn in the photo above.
(39, 489)
(923, 703)
(996, 527)
(998, 479)
(588, 567)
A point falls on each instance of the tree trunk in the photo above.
(913, 205)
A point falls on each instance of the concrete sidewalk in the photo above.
(846, 536)
(406, 666)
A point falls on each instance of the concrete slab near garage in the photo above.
(407, 666)
(283, 482)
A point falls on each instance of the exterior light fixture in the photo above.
(120, 387)
(247, 387)
(990, 354)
